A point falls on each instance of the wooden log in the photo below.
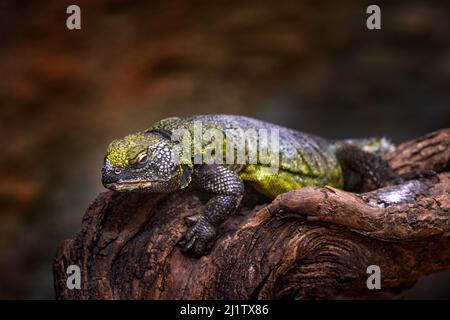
(310, 243)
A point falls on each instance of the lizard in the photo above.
(151, 161)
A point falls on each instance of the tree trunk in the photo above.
(306, 244)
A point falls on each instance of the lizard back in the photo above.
(304, 159)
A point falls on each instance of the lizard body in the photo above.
(150, 161)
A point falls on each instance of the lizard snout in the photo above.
(109, 179)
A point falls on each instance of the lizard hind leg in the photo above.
(359, 166)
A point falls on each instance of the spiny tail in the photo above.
(373, 145)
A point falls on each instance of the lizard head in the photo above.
(144, 161)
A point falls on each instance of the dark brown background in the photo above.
(310, 65)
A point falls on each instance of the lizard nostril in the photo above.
(108, 179)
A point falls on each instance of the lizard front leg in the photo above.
(227, 188)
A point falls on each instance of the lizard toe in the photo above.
(196, 240)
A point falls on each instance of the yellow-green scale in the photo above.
(272, 182)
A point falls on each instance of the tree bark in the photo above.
(310, 243)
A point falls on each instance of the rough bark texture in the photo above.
(307, 243)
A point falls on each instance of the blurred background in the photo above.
(310, 65)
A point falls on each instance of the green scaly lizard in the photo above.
(152, 161)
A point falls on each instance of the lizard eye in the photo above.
(142, 158)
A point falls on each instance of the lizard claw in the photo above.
(198, 239)
(192, 220)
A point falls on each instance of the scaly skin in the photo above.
(149, 161)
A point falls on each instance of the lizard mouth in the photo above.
(130, 185)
